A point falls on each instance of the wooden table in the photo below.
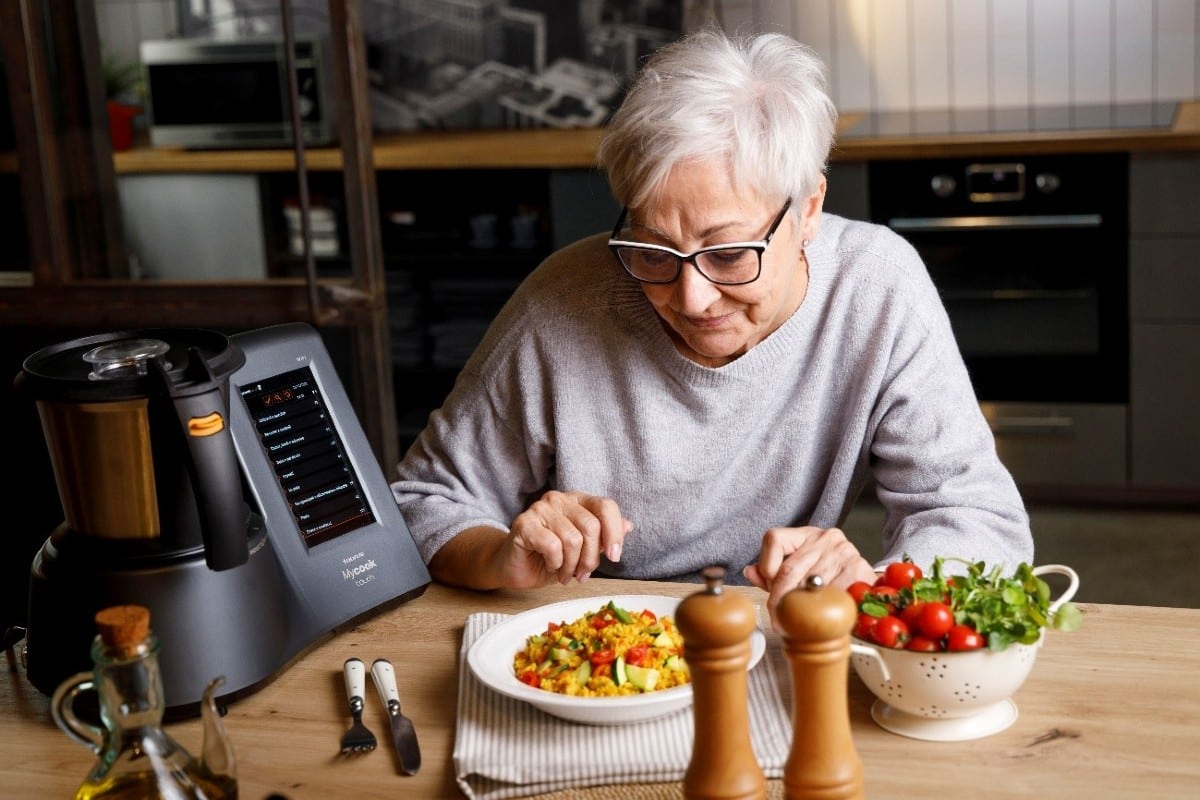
(1111, 710)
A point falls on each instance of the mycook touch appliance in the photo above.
(222, 482)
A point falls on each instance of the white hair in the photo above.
(757, 101)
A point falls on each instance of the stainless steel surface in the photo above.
(404, 735)
(1011, 222)
(358, 738)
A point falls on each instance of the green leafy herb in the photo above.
(1003, 609)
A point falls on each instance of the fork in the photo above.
(358, 739)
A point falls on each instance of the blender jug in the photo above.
(136, 427)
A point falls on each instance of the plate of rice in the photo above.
(595, 660)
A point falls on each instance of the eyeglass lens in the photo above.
(720, 265)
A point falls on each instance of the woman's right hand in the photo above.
(561, 536)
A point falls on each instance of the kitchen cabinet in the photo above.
(1165, 320)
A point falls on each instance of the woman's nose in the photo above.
(694, 291)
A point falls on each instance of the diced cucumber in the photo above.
(619, 676)
(583, 673)
(676, 663)
(559, 654)
(655, 628)
(643, 678)
(663, 640)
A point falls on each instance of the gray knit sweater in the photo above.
(577, 387)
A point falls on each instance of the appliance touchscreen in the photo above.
(303, 447)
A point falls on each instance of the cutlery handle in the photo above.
(385, 681)
(356, 679)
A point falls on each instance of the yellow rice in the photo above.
(555, 656)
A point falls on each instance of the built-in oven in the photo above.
(1030, 255)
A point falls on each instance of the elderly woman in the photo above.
(717, 380)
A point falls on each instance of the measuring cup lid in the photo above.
(116, 366)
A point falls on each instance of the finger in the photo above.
(554, 534)
(750, 572)
(613, 528)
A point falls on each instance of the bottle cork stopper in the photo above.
(123, 627)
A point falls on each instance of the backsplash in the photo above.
(889, 55)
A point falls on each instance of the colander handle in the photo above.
(1072, 586)
(872, 655)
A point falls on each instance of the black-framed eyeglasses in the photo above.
(731, 264)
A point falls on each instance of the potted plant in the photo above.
(123, 94)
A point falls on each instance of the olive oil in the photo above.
(137, 757)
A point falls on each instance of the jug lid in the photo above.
(116, 366)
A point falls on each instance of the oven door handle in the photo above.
(996, 222)
(1041, 425)
(1002, 295)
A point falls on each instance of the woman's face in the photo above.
(699, 207)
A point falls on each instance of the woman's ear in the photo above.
(810, 212)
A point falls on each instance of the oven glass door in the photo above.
(1034, 283)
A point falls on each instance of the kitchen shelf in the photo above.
(549, 148)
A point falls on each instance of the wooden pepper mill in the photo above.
(716, 627)
(822, 763)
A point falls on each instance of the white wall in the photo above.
(922, 54)
(890, 55)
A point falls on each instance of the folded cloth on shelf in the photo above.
(506, 748)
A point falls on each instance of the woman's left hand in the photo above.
(790, 555)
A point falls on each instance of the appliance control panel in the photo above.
(327, 507)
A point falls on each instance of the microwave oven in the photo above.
(209, 94)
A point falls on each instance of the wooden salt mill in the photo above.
(716, 627)
(822, 764)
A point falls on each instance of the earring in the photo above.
(805, 242)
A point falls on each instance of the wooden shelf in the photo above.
(575, 148)
(482, 149)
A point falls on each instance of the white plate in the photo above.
(491, 659)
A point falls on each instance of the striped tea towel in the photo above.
(506, 748)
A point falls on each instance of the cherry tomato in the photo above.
(935, 619)
(857, 590)
(862, 628)
(529, 678)
(923, 644)
(647, 614)
(602, 657)
(890, 632)
(888, 595)
(901, 574)
(963, 637)
(911, 613)
(636, 655)
(603, 620)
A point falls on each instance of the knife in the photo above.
(403, 733)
